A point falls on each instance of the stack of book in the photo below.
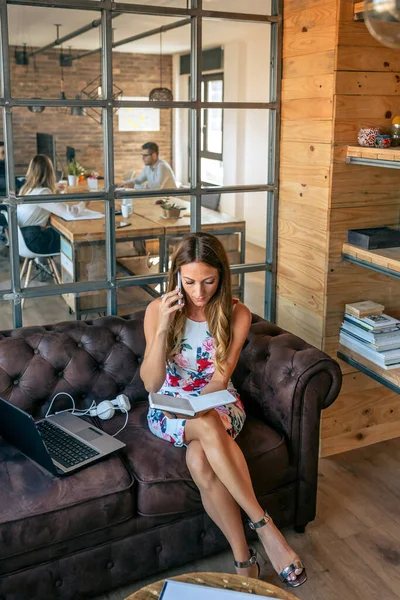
(374, 336)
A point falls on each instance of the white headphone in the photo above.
(106, 409)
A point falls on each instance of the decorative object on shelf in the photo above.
(367, 136)
(74, 171)
(161, 94)
(36, 109)
(382, 18)
(395, 131)
(93, 181)
(364, 309)
(172, 210)
(374, 237)
(94, 91)
(383, 141)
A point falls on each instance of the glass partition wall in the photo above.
(156, 118)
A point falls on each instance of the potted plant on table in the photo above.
(74, 171)
(172, 210)
(93, 181)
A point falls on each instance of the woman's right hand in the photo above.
(168, 307)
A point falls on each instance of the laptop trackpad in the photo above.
(89, 434)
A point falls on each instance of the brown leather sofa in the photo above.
(140, 513)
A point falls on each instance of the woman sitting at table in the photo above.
(33, 219)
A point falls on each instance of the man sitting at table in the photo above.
(156, 175)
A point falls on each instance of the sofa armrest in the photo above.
(287, 382)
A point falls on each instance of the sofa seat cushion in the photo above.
(164, 484)
(38, 509)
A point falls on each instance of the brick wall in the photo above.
(135, 74)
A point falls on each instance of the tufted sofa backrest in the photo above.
(89, 360)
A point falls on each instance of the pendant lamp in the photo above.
(161, 94)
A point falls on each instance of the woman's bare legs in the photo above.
(219, 505)
(229, 465)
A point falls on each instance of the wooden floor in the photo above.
(352, 549)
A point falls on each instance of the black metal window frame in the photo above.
(108, 10)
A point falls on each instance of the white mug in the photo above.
(125, 210)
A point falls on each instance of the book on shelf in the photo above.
(380, 339)
(190, 406)
(374, 322)
(389, 359)
(364, 308)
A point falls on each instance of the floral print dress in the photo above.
(188, 373)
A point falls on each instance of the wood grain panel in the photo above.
(301, 66)
(302, 131)
(318, 86)
(299, 153)
(301, 5)
(320, 16)
(304, 195)
(299, 321)
(367, 84)
(304, 108)
(355, 178)
(307, 175)
(309, 41)
(357, 217)
(330, 346)
(301, 296)
(376, 107)
(352, 58)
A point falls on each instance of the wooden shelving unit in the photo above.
(374, 157)
(387, 377)
(359, 11)
(385, 261)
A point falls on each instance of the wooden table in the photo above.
(83, 256)
(217, 580)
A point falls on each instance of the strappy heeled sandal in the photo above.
(297, 564)
(249, 563)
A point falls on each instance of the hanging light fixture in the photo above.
(36, 109)
(94, 91)
(63, 110)
(161, 94)
(382, 18)
(77, 111)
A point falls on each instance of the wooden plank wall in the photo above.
(306, 151)
(336, 79)
(367, 86)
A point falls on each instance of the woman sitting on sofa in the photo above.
(33, 219)
(192, 348)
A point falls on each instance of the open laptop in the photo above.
(61, 443)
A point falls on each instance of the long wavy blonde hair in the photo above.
(205, 248)
(40, 173)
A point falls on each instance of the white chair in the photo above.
(30, 257)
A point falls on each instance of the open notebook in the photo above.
(177, 590)
(84, 215)
(190, 406)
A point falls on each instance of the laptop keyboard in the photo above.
(63, 447)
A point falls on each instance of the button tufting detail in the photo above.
(202, 535)
(58, 583)
(110, 565)
(80, 345)
(16, 382)
(60, 374)
(158, 549)
(36, 351)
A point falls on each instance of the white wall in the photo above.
(245, 150)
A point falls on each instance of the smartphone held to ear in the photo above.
(179, 282)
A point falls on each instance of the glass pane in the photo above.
(215, 90)
(245, 58)
(214, 130)
(132, 299)
(244, 149)
(59, 71)
(74, 145)
(74, 243)
(256, 7)
(163, 162)
(46, 310)
(6, 320)
(169, 3)
(254, 292)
